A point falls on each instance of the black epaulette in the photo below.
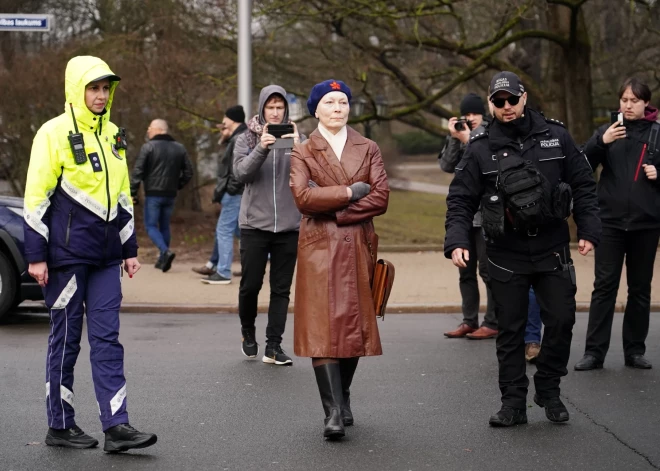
(554, 121)
(481, 135)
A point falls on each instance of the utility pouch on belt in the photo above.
(562, 198)
(492, 215)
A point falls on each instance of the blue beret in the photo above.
(321, 89)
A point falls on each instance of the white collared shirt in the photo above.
(336, 141)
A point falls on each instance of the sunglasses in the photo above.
(499, 102)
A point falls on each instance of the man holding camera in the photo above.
(472, 122)
(269, 220)
(527, 174)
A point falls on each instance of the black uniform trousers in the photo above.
(282, 247)
(639, 249)
(469, 285)
(555, 293)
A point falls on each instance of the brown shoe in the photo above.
(532, 351)
(461, 332)
(482, 333)
(206, 271)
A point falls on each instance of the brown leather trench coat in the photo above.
(334, 312)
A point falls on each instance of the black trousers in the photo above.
(283, 250)
(469, 286)
(555, 294)
(638, 248)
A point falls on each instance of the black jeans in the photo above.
(469, 286)
(638, 248)
(555, 294)
(283, 250)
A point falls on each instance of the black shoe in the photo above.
(638, 361)
(216, 279)
(159, 263)
(123, 437)
(168, 258)
(328, 380)
(249, 345)
(508, 416)
(555, 410)
(72, 437)
(276, 356)
(588, 362)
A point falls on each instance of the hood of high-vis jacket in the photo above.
(79, 212)
(81, 71)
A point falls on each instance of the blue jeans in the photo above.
(534, 324)
(225, 231)
(215, 255)
(157, 215)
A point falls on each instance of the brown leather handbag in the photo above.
(382, 285)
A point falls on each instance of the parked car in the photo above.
(16, 285)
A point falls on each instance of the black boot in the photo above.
(347, 367)
(72, 437)
(328, 378)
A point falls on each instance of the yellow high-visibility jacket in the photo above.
(79, 213)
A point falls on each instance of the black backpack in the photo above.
(526, 192)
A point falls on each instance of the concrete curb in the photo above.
(156, 308)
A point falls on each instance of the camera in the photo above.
(616, 116)
(279, 130)
(461, 124)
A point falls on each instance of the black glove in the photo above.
(312, 184)
(360, 190)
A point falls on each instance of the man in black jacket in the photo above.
(629, 199)
(228, 193)
(540, 154)
(164, 167)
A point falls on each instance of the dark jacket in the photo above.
(452, 153)
(163, 165)
(549, 146)
(227, 182)
(628, 200)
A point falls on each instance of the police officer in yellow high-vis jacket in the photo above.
(79, 229)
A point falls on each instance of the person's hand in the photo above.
(267, 139)
(459, 257)
(39, 271)
(651, 172)
(131, 265)
(463, 136)
(614, 132)
(294, 135)
(358, 190)
(584, 247)
(135, 200)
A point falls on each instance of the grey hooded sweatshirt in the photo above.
(267, 202)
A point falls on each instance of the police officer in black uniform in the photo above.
(528, 174)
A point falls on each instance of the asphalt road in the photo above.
(424, 405)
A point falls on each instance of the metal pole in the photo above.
(245, 55)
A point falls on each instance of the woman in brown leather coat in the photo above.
(339, 184)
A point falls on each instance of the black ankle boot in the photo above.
(328, 378)
(347, 367)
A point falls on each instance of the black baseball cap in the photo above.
(507, 81)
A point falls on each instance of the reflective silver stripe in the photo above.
(34, 218)
(67, 395)
(86, 201)
(588, 163)
(486, 173)
(127, 231)
(48, 389)
(118, 400)
(66, 332)
(66, 294)
(552, 158)
(505, 269)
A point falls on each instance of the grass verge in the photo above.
(412, 218)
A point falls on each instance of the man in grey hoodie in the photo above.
(269, 221)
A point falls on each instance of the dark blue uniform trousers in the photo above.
(72, 290)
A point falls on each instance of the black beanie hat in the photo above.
(236, 113)
(472, 103)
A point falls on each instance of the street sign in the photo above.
(25, 22)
